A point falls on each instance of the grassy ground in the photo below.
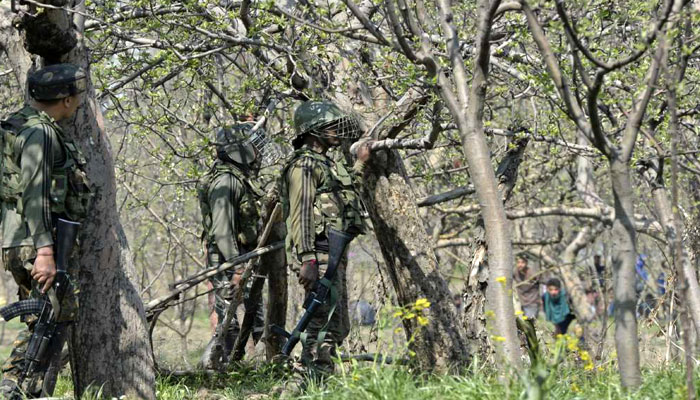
(355, 382)
(572, 377)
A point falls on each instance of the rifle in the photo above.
(48, 307)
(155, 306)
(337, 243)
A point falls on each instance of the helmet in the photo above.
(241, 145)
(56, 82)
(324, 119)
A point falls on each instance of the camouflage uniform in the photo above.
(42, 180)
(318, 193)
(230, 216)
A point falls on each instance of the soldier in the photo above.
(317, 194)
(42, 180)
(229, 200)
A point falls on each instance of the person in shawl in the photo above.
(556, 307)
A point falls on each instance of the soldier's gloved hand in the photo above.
(308, 275)
(44, 270)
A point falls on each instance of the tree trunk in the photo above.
(664, 209)
(623, 262)
(500, 250)
(572, 281)
(110, 347)
(411, 264)
(475, 319)
(276, 263)
(12, 44)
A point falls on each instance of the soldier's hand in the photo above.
(44, 271)
(363, 152)
(234, 287)
(236, 278)
(308, 275)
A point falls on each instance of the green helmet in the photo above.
(56, 82)
(324, 119)
(241, 145)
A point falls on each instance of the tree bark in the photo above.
(467, 108)
(109, 343)
(664, 210)
(572, 281)
(276, 263)
(411, 265)
(624, 239)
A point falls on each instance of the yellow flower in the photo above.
(600, 369)
(585, 356)
(398, 314)
(409, 315)
(519, 312)
(572, 344)
(398, 330)
(588, 367)
(498, 338)
(575, 388)
(422, 321)
(501, 280)
(421, 304)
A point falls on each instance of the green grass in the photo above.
(364, 381)
(399, 383)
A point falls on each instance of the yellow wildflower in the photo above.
(501, 280)
(498, 338)
(585, 356)
(421, 304)
(422, 321)
(398, 314)
(398, 330)
(588, 366)
(409, 316)
(519, 312)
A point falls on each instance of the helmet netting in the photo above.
(347, 127)
(268, 152)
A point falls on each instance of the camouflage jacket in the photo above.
(318, 193)
(228, 201)
(43, 177)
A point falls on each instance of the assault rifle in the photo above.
(337, 243)
(48, 307)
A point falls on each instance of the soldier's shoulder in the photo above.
(31, 121)
(225, 178)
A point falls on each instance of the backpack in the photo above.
(10, 178)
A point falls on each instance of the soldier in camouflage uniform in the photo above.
(318, 193)
(229, 200)
(42, 180)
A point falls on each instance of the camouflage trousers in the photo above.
(329, 327)
(221, 302)
(19, 261)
